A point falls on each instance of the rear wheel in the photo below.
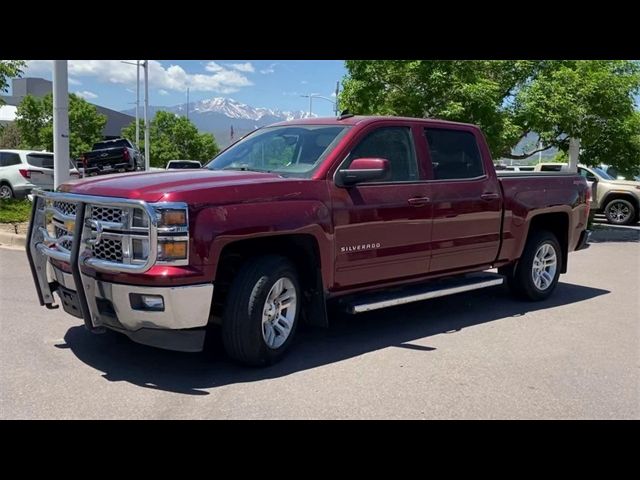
(536, 275)
(620, 212)
(262, 311)
(6, 192)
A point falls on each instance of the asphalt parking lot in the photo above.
(477, 355)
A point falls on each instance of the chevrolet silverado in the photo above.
(363, 212)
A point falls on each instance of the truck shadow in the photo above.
(348, 336)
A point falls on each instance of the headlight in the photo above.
(140, 219)
(140, 248)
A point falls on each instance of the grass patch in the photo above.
(14, 211)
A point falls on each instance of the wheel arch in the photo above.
(302, 249)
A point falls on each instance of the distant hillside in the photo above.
(218, 115)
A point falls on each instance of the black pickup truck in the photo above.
(109, 156)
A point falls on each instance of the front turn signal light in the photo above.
(172, 250)
(171, 218)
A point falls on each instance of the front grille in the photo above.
(66, 208)
(106, 214)
(60, 232)
(108, 249)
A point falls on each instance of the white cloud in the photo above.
(86, 94)
(130, 90)
(268, 70)
(303, 82)
(163, 92)
(213, 67)
(73, 81)
(243, 67)
(222, 80)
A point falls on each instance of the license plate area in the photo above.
(70, 301)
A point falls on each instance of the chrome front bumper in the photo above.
(179, 326)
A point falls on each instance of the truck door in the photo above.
(592, 183)
(466, 197)
(383, 228)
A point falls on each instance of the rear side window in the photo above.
(40, 160)
(551, 168)
(454, 154)
(9, 158)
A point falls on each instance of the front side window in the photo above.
(294, 150)
(454, 154)
(393, 144)
(590, 177)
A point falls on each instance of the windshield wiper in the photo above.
(245, 168)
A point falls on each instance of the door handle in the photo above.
(418, 201)
(489, 196)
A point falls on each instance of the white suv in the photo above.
(23, 170)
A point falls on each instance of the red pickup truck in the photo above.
(368, 212)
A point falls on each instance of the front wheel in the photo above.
(262, 310)
(538, 270)
(620, 212)
(5, 192)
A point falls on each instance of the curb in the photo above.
(12, 240)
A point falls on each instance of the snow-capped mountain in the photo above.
(217, 115)
(233, 109)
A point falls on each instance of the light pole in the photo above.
(60, 123)
(313, 95)
(146, 115)
(137, 64)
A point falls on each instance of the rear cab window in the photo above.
(454, 154)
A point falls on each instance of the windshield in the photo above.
(293, 150)
(602, 173)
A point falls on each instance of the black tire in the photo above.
(5, 185)
(620, 212)
(520, 280)
(242, 319)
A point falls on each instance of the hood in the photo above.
(623, 183)
(167, 185)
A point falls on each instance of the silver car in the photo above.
(23, 170)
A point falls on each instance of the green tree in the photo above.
(589, 100)
(35, 121)
(9, 69)
(10, 136)
(174, 138)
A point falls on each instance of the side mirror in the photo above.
(363, 170)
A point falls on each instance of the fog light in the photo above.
(151, 303)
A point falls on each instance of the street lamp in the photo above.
(314, 95)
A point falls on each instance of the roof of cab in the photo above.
(363, 120)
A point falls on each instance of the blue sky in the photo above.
(259, 83)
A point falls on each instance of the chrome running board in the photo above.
(440, 288)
